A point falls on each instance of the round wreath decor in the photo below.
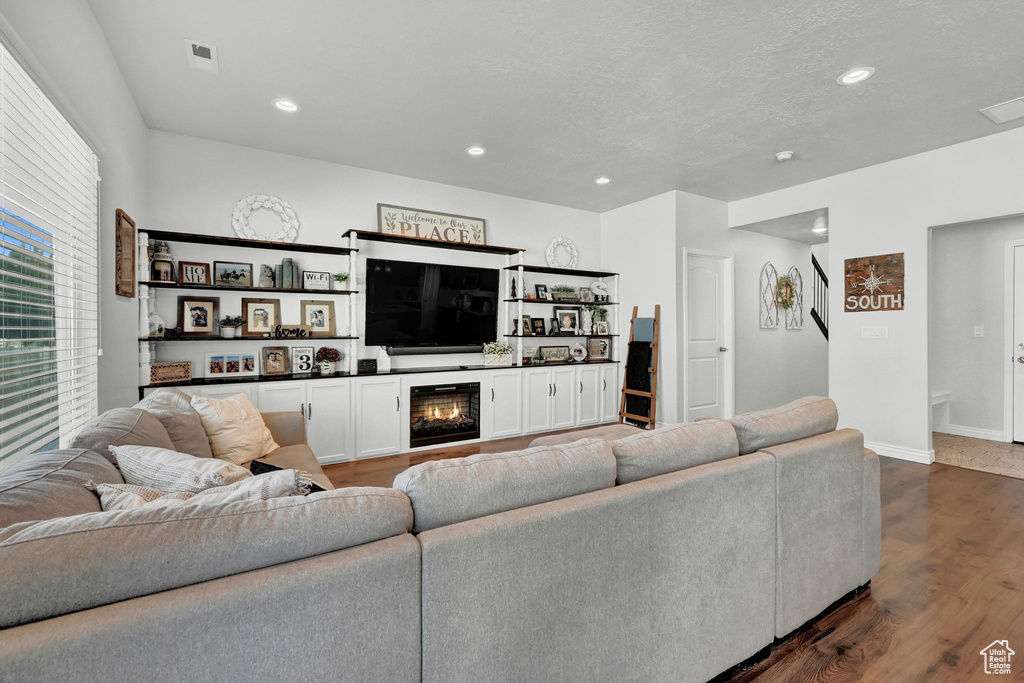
(289, 231)
(552, 257)
(785, 292)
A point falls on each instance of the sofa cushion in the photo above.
(606, 432)
(673, 448)
(128, 553)
(174, 472)
(52, 484)
(122, 427)
(298, 457)
(448, 491)
(800, 419)
(175, 412)
(235, 428)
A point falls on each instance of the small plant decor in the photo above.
(563, 293)
(326, 357)
(498, 353)
(600, 313)
(229, 325)
(339, 280)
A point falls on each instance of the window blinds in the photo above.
(48, 270)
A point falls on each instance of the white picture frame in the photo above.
(231, 364)
(302, 360)
(316, 281)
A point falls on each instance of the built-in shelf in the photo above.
(245, 379)
(192, 238)
(561, 271)
(287, 340)
(423, 242)
(552, 301)
(560, 336)
(278, 290)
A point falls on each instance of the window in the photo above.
(48, 270)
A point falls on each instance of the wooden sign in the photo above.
(874, 283)
(429, 225)
(124, 254)
(293, 332)
(161, 373)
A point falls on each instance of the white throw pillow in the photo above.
(280, 484)
(172, 472)
(235, 428)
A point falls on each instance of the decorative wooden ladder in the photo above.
(640, 378)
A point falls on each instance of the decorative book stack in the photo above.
(287, 275)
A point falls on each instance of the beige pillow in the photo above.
(235, 428)
(173, 409)
(173, 472)
(278, 484)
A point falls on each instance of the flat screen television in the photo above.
(429, 305)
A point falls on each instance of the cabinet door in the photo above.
(611, 391)
(588, 395)
(563, 407)
(276, 397)
(329, 419)
(378, 417)
(506, 404)
(538, 400)
(228, 390)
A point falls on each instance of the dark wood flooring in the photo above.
(952, 578)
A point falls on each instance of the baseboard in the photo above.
(911, 454)
(333, 459)
(974, 432)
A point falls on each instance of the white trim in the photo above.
(1008, 270)
(911, 454)
(730, 328)
(973, 432)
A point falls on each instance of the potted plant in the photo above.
(340, 281)
(326, 357)
(563, 293)
(498, 353)
(229, 325)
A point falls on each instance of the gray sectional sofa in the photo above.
(671, 555)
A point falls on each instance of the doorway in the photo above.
(1014, 303)
(709, 355)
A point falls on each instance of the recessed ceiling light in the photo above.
(603, 180)
(476, 151)
(856, 75)
(820, 226)
(286, 105)
(784, 156)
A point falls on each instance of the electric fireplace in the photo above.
(443, 413)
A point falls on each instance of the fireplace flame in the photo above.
(438, 415)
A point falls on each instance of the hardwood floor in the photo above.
(952, 578)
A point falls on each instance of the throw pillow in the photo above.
(262, 487)
(175, 412)
(257, 467)
(235, 428)
(173, 472)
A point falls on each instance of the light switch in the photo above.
(979, 331)
(874, 332)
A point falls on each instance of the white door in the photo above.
(589, 397)
(706, 312)
(563, 395)
(538, 400)
(506, 404)
(378, 417)
(278, 397)
(329, 419)
(610, 392)
(1018, 340)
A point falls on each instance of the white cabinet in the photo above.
(589, 395)
(611, 391)
(378, 417)
(563, 404)
(280, 397)
(550, 398)
(505, 404)
(329, 419)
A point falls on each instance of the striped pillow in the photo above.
(172, 472)
(279, 484)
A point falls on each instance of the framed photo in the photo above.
(124, 254)
(553, 331)
(275, 360)
(193, 273)
(316, 280)
(197, 316)
(526, 326)
(556, 354)
(585, 294)
(319, 315)
(542, 292)
(302, 360)
(568, 320)
(528, 353)
(231, 274)
(600, 349)
(230, 364)
(537, 324)
(601, 327)
(161, 373)
(260, 316)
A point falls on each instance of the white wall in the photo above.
(881, 385)
(968, 290)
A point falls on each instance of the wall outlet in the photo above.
(874, 332)
(979, 331)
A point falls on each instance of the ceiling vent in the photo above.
(1005, 112)
(202, 57)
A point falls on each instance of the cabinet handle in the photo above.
(309, 411)
(492, 394)
(398, 403)
(605, 387)
(302, 409)
(555, 387)
(549, 389)
(581, 387)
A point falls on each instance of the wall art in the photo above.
(874, 283)
(430, 225)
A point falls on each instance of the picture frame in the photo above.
(231, 364)
(553, 332)
(528, 353)
(556, 354)
(319, 315)
(198, 315)
(124, 255)
(585, 295)
(315, 280)
(193, 273)
(232, 274)
(274, 361)
(302, 360)
(568, 320)
(599, 348)
(526, 325)
(162, 373)
(260, 316)
(542, 292)
(537, 325)
(601, 327)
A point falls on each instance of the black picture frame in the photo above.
(573, 313)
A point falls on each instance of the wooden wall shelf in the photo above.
(272, 290)
(562, 271)
(192, 238)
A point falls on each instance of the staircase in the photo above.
(819, 304)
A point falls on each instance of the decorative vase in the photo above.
(339, 285)
(588, 322)
(228, 332)
(326, 367)
(498, 359)
(383, 361)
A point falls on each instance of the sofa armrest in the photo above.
(871, 517)
(287, 428)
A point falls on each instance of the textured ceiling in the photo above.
(693, 95)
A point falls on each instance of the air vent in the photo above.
(202, 57)
(1005, 112)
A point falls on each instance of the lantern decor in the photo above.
(162, 264)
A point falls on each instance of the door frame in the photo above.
(729, 263)
(1008, 277)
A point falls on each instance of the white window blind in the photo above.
(48, 270)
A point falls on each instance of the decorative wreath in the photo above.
(552, 257)
(785, 292)
(289, 231)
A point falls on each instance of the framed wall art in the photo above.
(600, 349)
(260, 316)
(124, 254)
(197, 315)
(316, 280)
(231, 274)
(556, 354)
(193, 273)
(275, 360)
(430, 225)
(302, 360)
(568, 320)
(319, 315)
(233, 364)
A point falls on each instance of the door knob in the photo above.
(722, 349)
(1020, 359)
